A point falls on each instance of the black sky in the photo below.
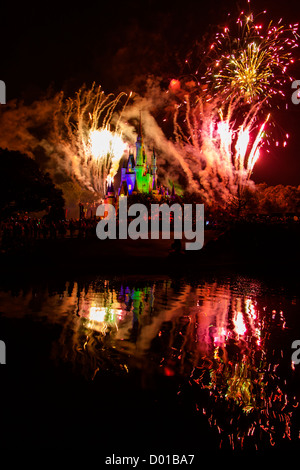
(62, 45)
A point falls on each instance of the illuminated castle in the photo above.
(137, 175)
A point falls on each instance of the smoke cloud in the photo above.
(50, 131)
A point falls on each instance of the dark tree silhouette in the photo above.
(25, 188)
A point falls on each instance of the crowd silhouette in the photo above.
(25, 228)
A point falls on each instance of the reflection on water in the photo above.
(228, 341)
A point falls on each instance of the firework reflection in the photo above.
(217, 339)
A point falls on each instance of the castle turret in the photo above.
(140, 147)
(153, 170)
(173, 192)
(140, 167)
(123, 171)
(110, 197)
(128, 174)
(123, 189)
(135, 189)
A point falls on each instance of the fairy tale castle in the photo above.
(137, 176)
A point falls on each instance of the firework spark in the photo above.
(83, 128)
(253, 60)
(222, 149)
(103, 144)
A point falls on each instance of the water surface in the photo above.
(151, 363)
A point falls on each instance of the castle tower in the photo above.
(153, 170)
(140, 151)
(110, 197)
(141, 163)
(173, 192)
(123, 189)
(135, 189)
(137, 175)
(123, 171)
(130, 174)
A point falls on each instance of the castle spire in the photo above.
(110, 197)
(110, 188)
(153, 161)
(140, 134)
(153, 170)
(140, 145)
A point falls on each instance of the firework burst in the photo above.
(83, 130)
(252, 61)
(221, 147)
(220, 122)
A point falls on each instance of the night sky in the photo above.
(63, 45)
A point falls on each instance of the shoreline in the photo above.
(241, 245)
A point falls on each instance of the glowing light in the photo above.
(97, 314)
(174, 84)
(254, 154)
(239, 324)
(102, 318)
(103, 144)
(241, 147)
(83, 127)
(100, 143)
(225, 134)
